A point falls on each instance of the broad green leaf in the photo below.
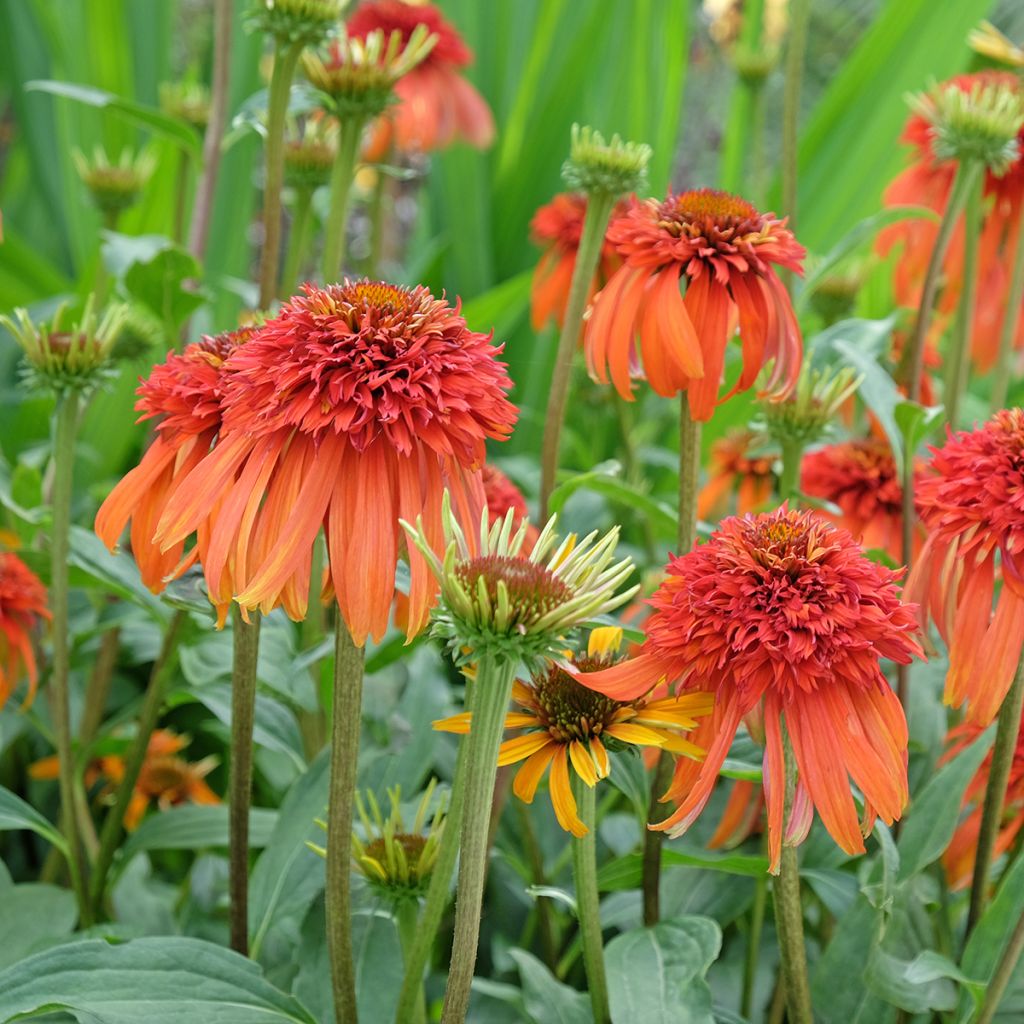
(916, 423)
(625, 872)
(16, 814)
(836, 889)
(547, 1000)
(934, 812)
(156, 980)
(930, 965)
(178, 131)
(656, 975)
(34, 917)
(163, 285)
(891, 978)
(195, 827)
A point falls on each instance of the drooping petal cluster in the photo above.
(733, 467)
(725, 253)
(436, 104)
(971, 503)
(928, 181)
(557, 228)
(22, 608)
(782, 615)
(358, 404)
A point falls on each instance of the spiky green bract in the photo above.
(614, 168)
(114, 185)
(805, 416)
(296, 21)
(497, 602)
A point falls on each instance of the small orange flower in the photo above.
(958, 860)
(565, 723)
(436, 104)
(725, 252)
(22, 606)
(557, 228)
(357, 405)
(732, 468)
(971, 502)
(782, 617)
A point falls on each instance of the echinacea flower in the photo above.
(928, 181)
(971, 502)
(22, 608)
(782, 616)
(958, 858)
(725, 252)
(358, 404)
(557, 227)
(562, 723)
(183, 394)
(436, 105)
(861, 478)
(734, 467)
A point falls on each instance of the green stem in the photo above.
(595, 223)
(799, 16)
(113, 823)
(588, 907)
(298, 244)
(1011, 317)
(349, 662)
(736, 144)
(633, 468)
(286, 57)
(1004, 972)
(758, 120)
(958, 355)
(97, 690)
(246, 638)
(342, 175)
(494, 679)
(407, 914)
(753, 946)
(535, 859)
(789, 921)
(789, 481)
(438, 892)
(377, 222)
(63, 467)
(180, 196)
(1007, 727)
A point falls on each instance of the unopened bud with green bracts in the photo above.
(296, 21)
(807, 413)
(614, 168)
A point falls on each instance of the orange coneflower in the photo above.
(733, 468)
(782, 616)
(557, 227)
(725, 252)
(928, 181)
(972, 506)
(359, 403)
(22, 606)
(436, 104)
(861, 478)
(564, 723)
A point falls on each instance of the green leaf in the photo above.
(160, 283)
(16, 814)
(891, 978)
(195, 827)
(178, 131)
(656, 975)
(156, 980)
(934, 813)
(547, 1000)
(930, 965)
(625, 872)
(916, 422)
(35, 916)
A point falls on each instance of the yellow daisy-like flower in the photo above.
(564, 723)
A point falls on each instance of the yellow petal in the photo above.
(562, 799)
(525, 783)
(600, 756)
(628, 732)
(457, 723)
(521, 747)
(604, 640)
(583, 763)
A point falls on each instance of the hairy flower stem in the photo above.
(113, 823)
(1007, 727)
(286, 57)
(789, 920)
(595, 223)
(97, 690)
(63, 465)
(753, 950)
(298, 242)
(1011, 317)
(342, 175)
(1004, 972)
(407, 922)
(349, 663)
(439, 890)
(588, 909)
(789, 481)
(246, 638)
(494, 682)
(958, 358)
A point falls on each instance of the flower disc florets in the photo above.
(615, 167)
(567, 708)
(296, 21)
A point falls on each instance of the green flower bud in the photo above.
(614, 167)
(296, 21)
(114, 187)
(807, 413)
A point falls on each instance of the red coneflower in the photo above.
(557, 227)
(928, 181)
(22, 605)
(725, 252)
(861, 478)
(358, 404)
(971, 502)
(184, 393)
(436, 105)
(732, 468)
(958, 860)
(781, 614)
